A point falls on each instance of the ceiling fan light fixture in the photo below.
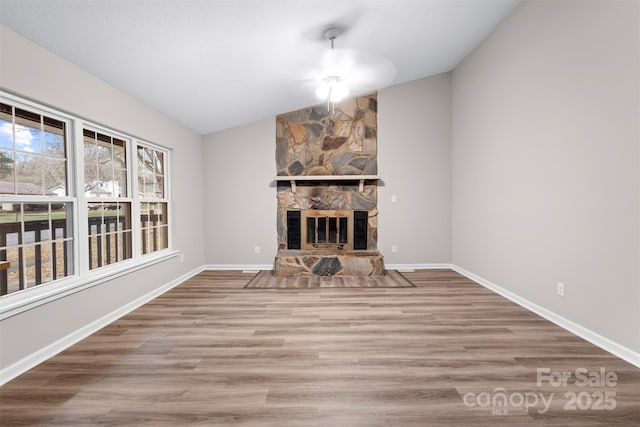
(323, 91)
(332, 89)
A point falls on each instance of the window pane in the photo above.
(91, 180)
(6, 126)
(160, 211)
(6, 172)
(109, 230)
(103, 152)
(123, 234)
(124, 245)
(95, 230)
(61, 220)
(105, 176)
(148, 158)
(90, 147)
(119, 155)
(120, 182)
(54, 131)
(146, 172)
(60, 262)
(141, 183)
(144, 214)
(10, 213)
(10, 232)
(124, 215)
(46, 270)
(30, 270)
(36, 222)
(119, 152)
(162, 238)
(159, 187)
(94, 211)
(29, 174)
(28, 133)
(55, 176)
(13, 273)
(159, 162)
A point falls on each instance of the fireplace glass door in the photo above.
(330, 229)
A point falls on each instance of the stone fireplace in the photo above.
(327, 219)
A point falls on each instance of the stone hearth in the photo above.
(357, 263)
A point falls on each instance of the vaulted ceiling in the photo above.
(217, 64)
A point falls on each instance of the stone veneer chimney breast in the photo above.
(327, 190)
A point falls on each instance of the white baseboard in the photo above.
(417, 266)
(604, 343)
(238, 267)
(252, 267)
(56, 347)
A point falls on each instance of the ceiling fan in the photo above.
(346, 71)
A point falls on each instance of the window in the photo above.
(75, 199)
(108, 209)
(36, 217)
(154, 226)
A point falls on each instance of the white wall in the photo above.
(546, 184)
(32, 72)
(240, 195)
(414, 122)
(414, 158)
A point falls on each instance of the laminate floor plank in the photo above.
(212, 352)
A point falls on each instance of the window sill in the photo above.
(13, 304)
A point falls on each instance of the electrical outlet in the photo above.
(256, 249)
(181, 257)
(394, 198)
(394, 248)
(560, 289)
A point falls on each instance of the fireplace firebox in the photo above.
(331, 230)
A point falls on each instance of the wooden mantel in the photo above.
(360, 178)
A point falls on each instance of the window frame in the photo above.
(81, 277)
(127, 198)
(68, 121)
(165, 192)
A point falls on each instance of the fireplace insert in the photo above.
(338, 230)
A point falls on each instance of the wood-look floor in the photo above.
(211, 352)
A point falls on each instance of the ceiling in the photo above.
(213, 65)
